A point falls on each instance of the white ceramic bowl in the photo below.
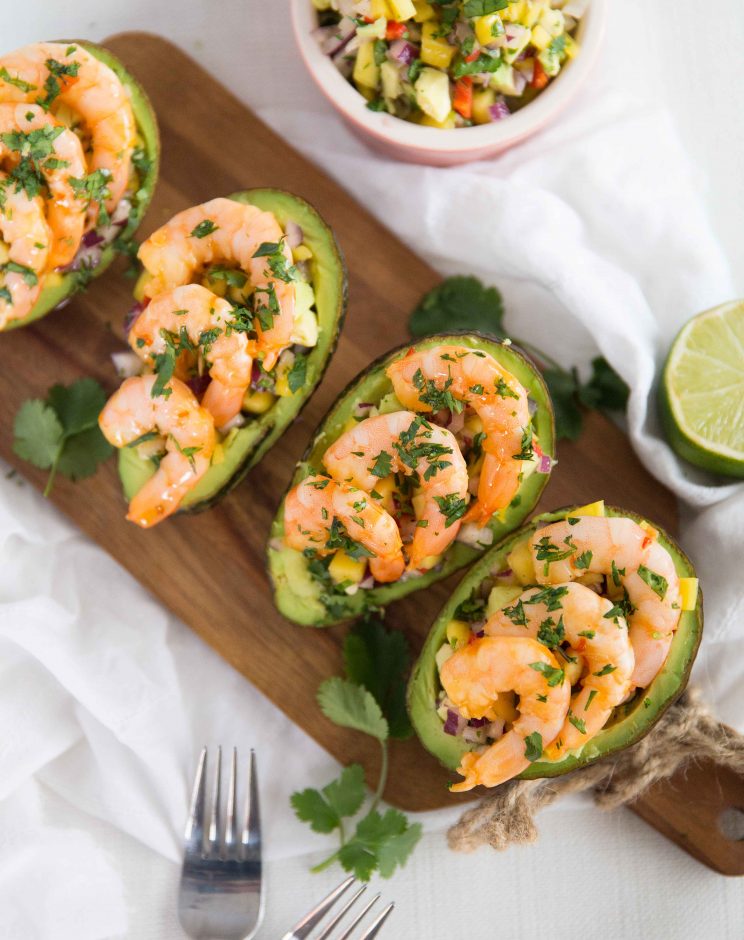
(431, 145)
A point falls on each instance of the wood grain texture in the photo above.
(212, 145)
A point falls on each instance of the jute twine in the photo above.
(686, 732)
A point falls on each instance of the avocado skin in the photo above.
(63, 286)
(372, 385)
(259, 435)
(424, 685)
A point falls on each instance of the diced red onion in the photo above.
(496, 729)
(480, 633)
(545, 464)
(126, 364)
(526, 70)
(366, 584)
(131, 315)
(85, 258)
(403, 51)
(362, 409)
(506, 573)
(478, 722)
(198, 384)
(499, 111)
(294, 234)
(514, 34)
(457, 422)
(91, 239)
(519, 80)
(455, 723)
(332, 39)
(441, 417)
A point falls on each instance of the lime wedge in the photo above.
(702, 390)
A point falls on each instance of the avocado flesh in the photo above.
(57, 286)
(629, 722)
(296, 593)
(245, 446)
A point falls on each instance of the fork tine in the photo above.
(360, 916)
(194, 834)
(309, 921)
(251, 835)
(213, 833)
(327, 930)
(376, 926)
(231, 788)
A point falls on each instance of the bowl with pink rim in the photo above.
(433, 146)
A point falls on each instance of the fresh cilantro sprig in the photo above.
(61, 433)
(464, 303)
(370, 699)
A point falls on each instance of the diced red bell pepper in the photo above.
(539, 76)
(463, 99)
(395, 30)
(472, 57)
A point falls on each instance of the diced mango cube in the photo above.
(458, 633)
(435, 50)
(378, 8)
(514, 12)
(688, 593)
(571, 48)
(505, 707)
(301, 253)
(402, 9)
(139, 287)
(256, 403)
(541, 38)
(487, 28)
(474, 424)
(521, 563)
(385, 488)
(343, 567)
(424, 11)
(218, 455)
(482, 101)
(366, 72)
(501, 596)
(532, 12)
(573, 670)
(591, 509)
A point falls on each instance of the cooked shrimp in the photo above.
(631, 558)
(579, 615)
(189, 435)
(91, 90)
(26, 233)
(474, 676)
(33, 143)
(206, 320)
(320, 514)
(424, 381)
(226, 231)
(402, 442)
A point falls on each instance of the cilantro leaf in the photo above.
(459, 303)
(297, 374)
(483, 7)
(605, 389)
(554, 676)
(325, 808)
(38, 433)
(346, 794)
(61, 434)
(82, 453)
(310, 807)
(378, 659)
(351, 706)
(380, 841)
(77, 405)
(533, 746)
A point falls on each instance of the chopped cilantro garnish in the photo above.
(204, 228)
(554, 676)
(533, 746)
(452, 507)
(657, 582)
(605, 670)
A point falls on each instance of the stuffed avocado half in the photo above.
(498, 580)
(274, 399)
(100, 245)
(320, 588)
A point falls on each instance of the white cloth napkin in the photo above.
(596, 235)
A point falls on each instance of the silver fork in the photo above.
(311, 920)
(220, 895)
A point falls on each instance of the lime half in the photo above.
(702, 390)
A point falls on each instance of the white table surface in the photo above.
(685, 55)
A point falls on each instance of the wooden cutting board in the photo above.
(209, 569)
